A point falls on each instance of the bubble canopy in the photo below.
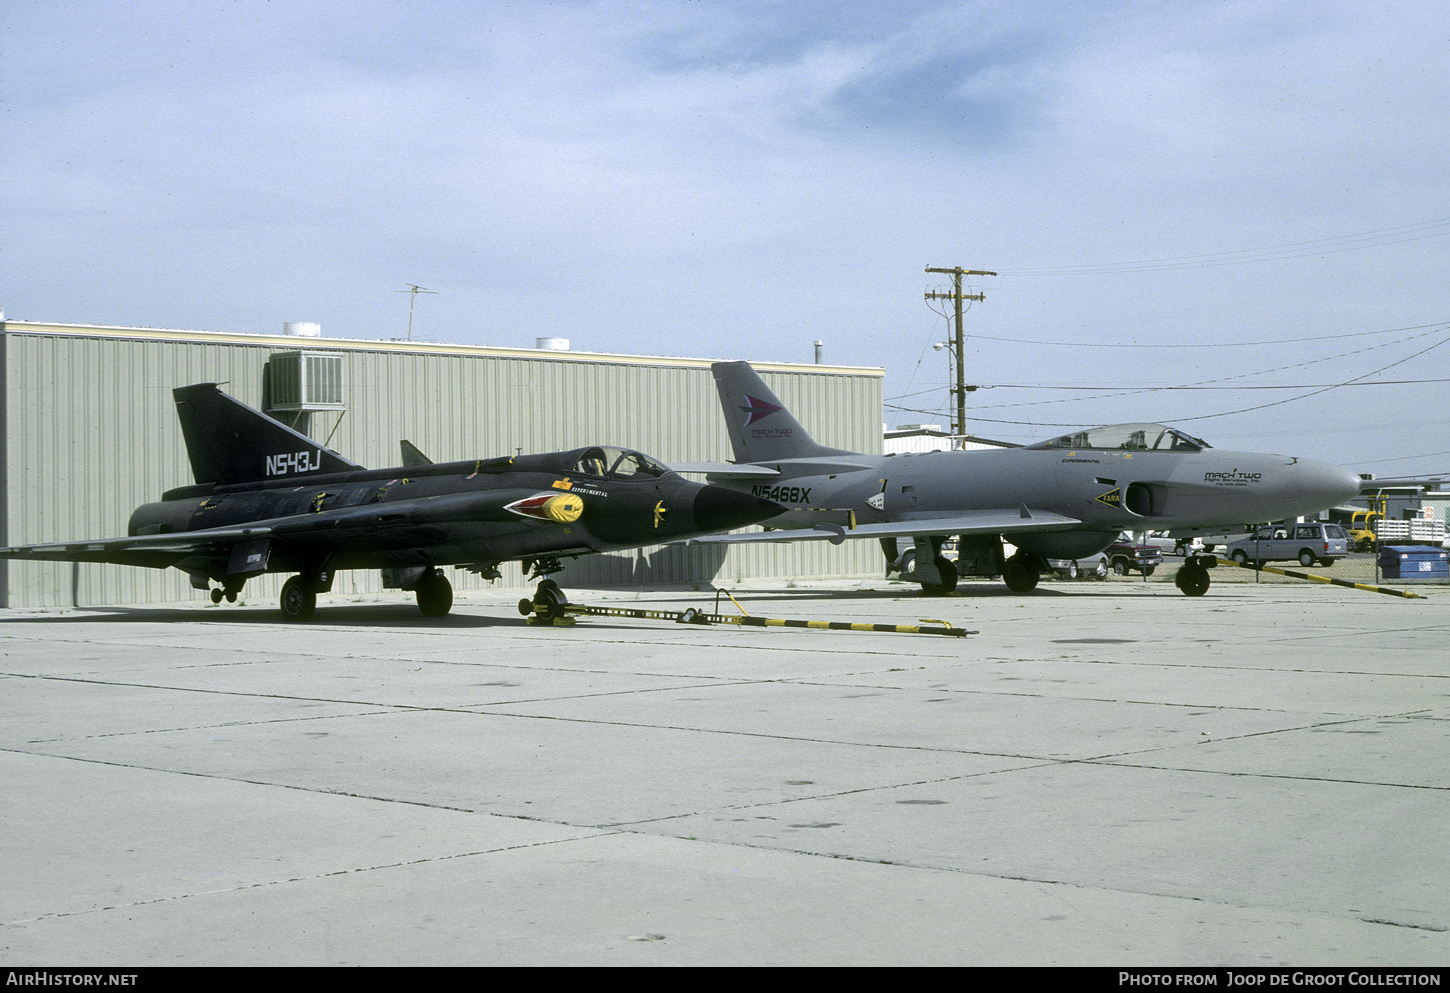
(1133, 437)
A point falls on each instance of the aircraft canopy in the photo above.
(618, 463)
(1137, 437)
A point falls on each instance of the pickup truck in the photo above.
(1126, 555)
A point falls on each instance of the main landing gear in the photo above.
(299, 599)
(435, 594)
(299, 594)
(1021, 573)
(946, 572)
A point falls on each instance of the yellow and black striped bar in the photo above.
(773, 622)
(1329, 580)
(928, 625)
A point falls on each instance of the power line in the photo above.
(1314, 391)
(1295, 250)
(1218, 344)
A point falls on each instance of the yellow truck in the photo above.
(1361, 526)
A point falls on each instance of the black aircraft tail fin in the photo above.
(412, 455)
(761, 428)
(229, 442)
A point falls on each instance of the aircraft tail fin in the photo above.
(229, 442)
(761, 428)
(412, 455)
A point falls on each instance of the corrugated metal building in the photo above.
(90, 431)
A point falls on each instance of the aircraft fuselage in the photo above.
(1108, 490)
(438, 514)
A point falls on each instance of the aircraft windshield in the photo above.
(1136, 437)
(637, 465)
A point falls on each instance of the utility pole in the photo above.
(959, 428)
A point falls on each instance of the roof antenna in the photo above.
(414, 290)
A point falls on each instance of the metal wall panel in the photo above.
(91, 432)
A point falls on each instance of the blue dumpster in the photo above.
(1414, 562)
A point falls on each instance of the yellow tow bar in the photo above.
(1367, 587)
(550, 606)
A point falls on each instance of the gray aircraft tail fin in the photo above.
(229, 442)
(761, 428)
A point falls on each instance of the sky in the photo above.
(1228, 215)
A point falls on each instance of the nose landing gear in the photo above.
(547, 604)
(1193, 578)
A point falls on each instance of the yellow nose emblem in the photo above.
(660, 511)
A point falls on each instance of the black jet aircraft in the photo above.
(269, 499)
(1066, 498)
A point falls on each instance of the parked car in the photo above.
(1179, 546)
(1309, 542)
(1126, 555)
(1095, 567)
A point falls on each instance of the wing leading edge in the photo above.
(154, 550)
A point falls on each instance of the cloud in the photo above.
(737, 180)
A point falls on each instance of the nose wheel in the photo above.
(1192, 578)
(548, 603)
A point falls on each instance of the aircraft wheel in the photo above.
(216, 595)
(1306, 558)
(1020, 575)
(549, 601)
(948, 582)
(298, 602)
(908, 561)
(435, 595)
(231, 596)
(1193, 580)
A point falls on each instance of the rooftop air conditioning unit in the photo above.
(306, 381)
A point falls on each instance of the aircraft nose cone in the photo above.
(720, 509)
(1330, 485)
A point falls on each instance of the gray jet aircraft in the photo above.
(1067, 498)
(268, 499)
